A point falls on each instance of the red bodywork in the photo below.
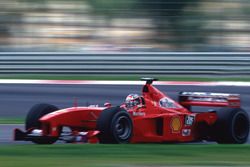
(159, 119)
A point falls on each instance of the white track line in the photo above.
(125, 53)
(89, 82)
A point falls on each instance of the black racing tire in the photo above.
(32, 120)
(232, 126)
(115, 126)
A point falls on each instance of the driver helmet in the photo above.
(132, 100)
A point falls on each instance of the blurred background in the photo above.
(124, 25)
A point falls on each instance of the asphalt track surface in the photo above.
(17, 99)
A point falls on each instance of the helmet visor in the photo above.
(132, 103)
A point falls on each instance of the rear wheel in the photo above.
(115, 126)
(32, 121)
(232, 126)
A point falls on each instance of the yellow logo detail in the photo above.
(176, 124)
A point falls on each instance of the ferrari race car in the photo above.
(150, 118)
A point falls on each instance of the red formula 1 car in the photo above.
(152, 117)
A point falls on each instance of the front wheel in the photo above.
(232, 126)
(115, 126)
(32, 121)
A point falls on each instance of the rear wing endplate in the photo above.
(188, 99)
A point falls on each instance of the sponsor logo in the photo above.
(234, 104)
(208, 99)
(189, 120)
(186, 132)
(139, 113)
(175, 124)
(167, 103)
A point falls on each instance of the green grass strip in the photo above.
(131, 155)
(123, 77)
(11, 120)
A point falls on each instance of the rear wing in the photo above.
(188, 99)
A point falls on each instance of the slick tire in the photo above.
(115, 126)
(232, 126)
(32, 120)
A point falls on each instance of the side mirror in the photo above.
(107, 104)
(143, 106)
